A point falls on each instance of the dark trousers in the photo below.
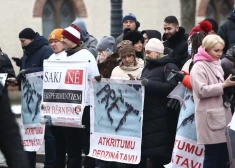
(78, 139)
(50, 149)
(60, 145)
(74, 147)
(216, 156)
(32, 159)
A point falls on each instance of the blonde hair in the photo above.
(210, 41)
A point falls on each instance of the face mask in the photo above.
(190, 49)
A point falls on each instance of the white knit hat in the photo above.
(154, 45)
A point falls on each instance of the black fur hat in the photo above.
(133, 35)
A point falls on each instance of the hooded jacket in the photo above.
(178, 43)
(152, 34)
(159, 122)
(211, 116)
(89, 41)
(227, 31)
(34, 54)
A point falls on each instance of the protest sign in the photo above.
(186, 153)
(116, 120)
(64, 88)
(31, 130)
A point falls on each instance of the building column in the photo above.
(116, 18)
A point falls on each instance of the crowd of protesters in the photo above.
(150, 57)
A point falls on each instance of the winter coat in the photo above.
(178, 43)
(35, 52)
(89, 41)
(106, 67)
(122, 71)
(211, 116)
(228, 65)
(159, 122)
(5, 65)
(227, 32)
(92, 69)
(10, 141)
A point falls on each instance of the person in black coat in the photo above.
(10, 141)
(227, 31)
(176, 39)
(228, 65)
(159, 122)
(36, 49)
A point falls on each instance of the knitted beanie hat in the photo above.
(204, 26)
(27, 33)
(72, 33)
(129, 16)
(155, 45)
(55, 35)
(106, 42)
(125, 48)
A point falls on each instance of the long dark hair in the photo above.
(196, 41)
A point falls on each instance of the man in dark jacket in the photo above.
(129, 21)
(227, 31)
(36, 49)
(10, 141)
(174, 37)
(89, 41)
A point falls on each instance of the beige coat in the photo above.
(210, 115)
(121, 72)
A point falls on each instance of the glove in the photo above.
(98, 78)
(21, 76)
(179, 77)
(144, 81)
(17, 61)
(174, 104)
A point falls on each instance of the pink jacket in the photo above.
(210, 114)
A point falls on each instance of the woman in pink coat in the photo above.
(211, 115)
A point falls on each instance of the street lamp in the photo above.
(116, 18)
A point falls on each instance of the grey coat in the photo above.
(87, 39)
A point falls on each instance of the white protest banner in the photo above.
(3, 77)
(64, 87)
(186, 153)
(32, 130)
(116, 120)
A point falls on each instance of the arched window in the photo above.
(219, 10)
(57, 14)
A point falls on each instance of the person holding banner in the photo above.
(78, 138)
(159, 122)
(211, 116)
(130, 65)
(36, 49)
(58, 132)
